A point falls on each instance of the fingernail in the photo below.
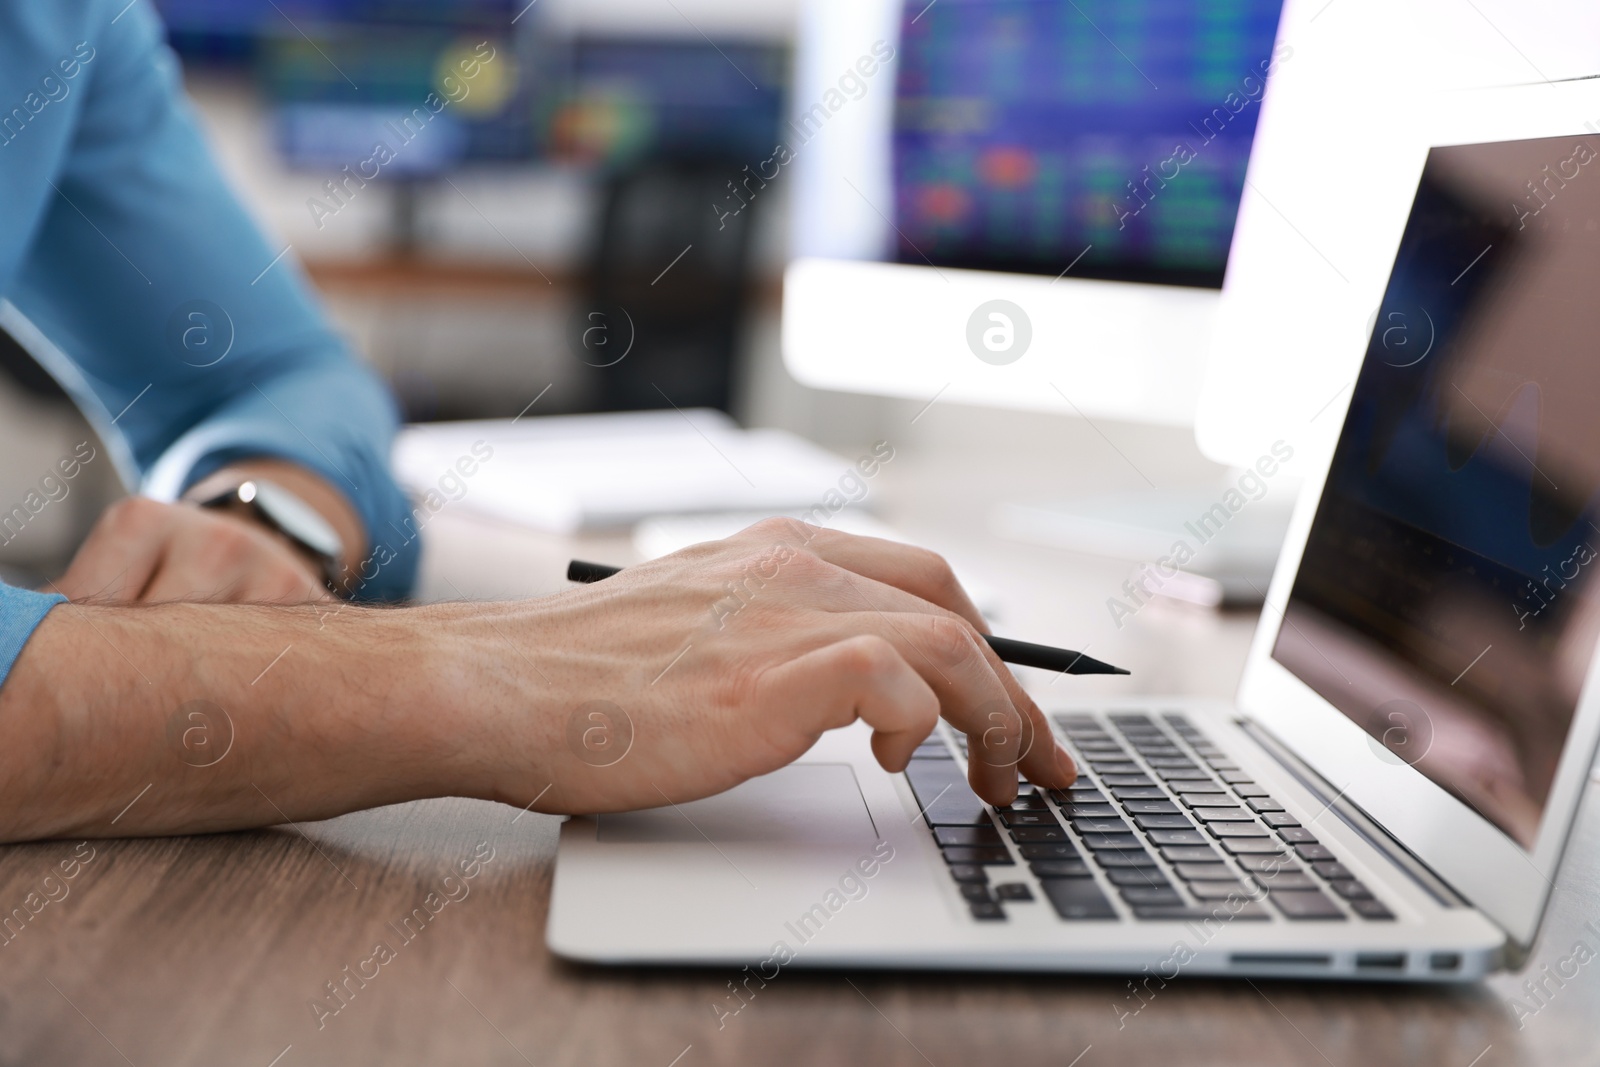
(1069, 769)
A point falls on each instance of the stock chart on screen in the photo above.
(1105, 135)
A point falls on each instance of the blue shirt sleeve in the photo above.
(21, 612)
(126, 248)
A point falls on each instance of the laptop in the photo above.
(1389, 794)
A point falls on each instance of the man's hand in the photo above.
(729, 660)
(143, 550)
(718, 663)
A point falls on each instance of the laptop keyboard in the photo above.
(1159, 817)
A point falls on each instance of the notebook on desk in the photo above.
(569, 473)
(1391, 792)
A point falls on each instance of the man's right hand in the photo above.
(715, 664)
(729, 659)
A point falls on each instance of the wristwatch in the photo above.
(280, 510)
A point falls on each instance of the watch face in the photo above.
(296, 518)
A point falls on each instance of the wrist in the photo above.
(485, 685)
(310, 491)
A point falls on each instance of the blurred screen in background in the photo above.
(341, 75)
(1027, 132)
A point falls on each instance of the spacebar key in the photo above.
(1077, 898)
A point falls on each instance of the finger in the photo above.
(1036, 752)
(917, 571)
(859, 677)
(121, 553)
(947, 654)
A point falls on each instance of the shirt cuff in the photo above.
(21, 612)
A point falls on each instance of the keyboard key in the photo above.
(1306, 904)
(1351, 889)
(1034, 834)
(1264, 804)
(1139, 792)
(1237, 778)
(1282, 881)
(1238, 829)
(1332, 869)
(1221, 890)
(1113, 780)
(1297, 835)
(1190, 854)
(1313, 852)
(987, 911)
(1269, 864)
(1181, 762)
(1171, 821)
(943, 794)
(1032, 802)
(1177, 837)
(1279, 819)
(1194, 793)
(1249, 792)
(974, 892)
(1222, 765)
(1114, 858)
(987, 856)
(1077, 898)
(1100, 841)
(1147, 895)
(1203, 872)
(1114, 766)
(1028, 818)
(970, 836)
(1100, 826)
(1086, 795)
(1073, 808)
(1244, 846)
(1180, 779)
(1013, 891)
(968, 872)
(1371, 909)
(1223, 912)
(1059, 869)
(1145, 876)
(1147, 807)
(1209, 815)
(1050, 850)
(1083, 785)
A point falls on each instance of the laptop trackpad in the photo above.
(801, 804)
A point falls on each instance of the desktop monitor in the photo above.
(1332, 178)
(1019, 202)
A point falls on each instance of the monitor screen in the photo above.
(623, 98)
(1446, 600)
(1030, 135)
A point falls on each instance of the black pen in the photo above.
(1022, 653)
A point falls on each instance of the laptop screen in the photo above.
(1447, 599)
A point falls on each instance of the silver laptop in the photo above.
(1390, 793)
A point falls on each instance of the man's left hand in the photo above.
(144, 550)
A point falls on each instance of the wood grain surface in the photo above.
(212, 950)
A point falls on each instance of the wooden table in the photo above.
(213, 950)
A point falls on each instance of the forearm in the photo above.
(320, 719)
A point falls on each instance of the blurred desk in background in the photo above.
(210, 950)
